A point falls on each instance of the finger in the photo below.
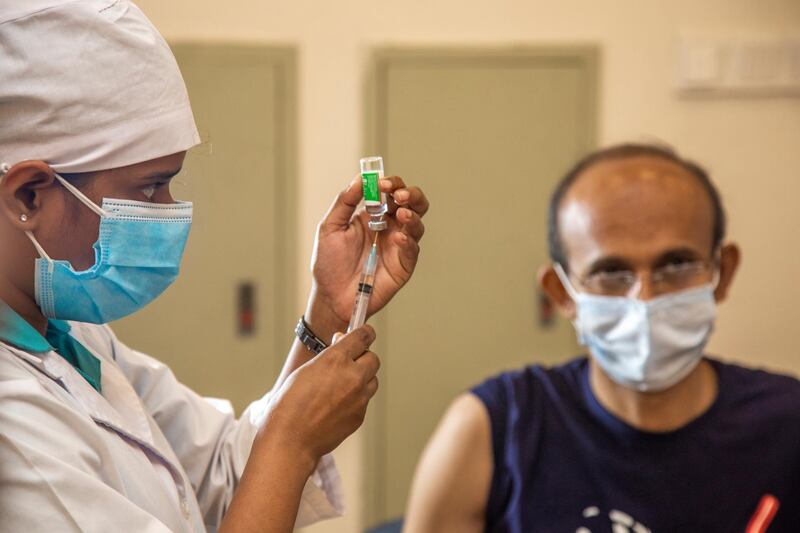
(372, 387)
(357, 341)
(391, 184)
(368, 364)
(412, 223)
(413, 198)
(407, 252)
(343, 207)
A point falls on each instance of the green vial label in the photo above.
(372, 193)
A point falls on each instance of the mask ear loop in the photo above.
(40, 251)
(573, 293)
(716, 276)
(38, 247)
(562, 275)
(715, 279)
(82, 197)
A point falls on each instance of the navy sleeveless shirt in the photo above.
(562, 463)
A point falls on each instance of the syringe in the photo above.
(364, 289)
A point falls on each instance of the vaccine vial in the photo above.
(374, 199)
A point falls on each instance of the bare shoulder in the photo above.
(466, 418)
(452, 481)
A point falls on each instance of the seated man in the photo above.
(646, 433)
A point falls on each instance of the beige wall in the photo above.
(752, 145)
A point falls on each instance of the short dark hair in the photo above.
(627, 151)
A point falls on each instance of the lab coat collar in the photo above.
(17, 331)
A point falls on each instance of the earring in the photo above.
(23, 217)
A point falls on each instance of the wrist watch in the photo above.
(314, 344)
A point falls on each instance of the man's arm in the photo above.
(452, 482)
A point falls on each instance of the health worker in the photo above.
(95, 436)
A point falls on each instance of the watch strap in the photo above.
(308, 338)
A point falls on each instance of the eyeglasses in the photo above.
(669, 278)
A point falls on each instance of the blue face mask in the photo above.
(645, 345)
(137, 256)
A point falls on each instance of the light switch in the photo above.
(758, 62)
(701, 64)
(752, 65)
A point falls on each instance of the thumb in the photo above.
(342, 209)
(357, 341)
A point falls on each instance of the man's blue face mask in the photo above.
(137, 256)
(645, 345)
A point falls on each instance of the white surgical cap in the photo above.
(88, 85)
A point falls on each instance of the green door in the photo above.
(487, 135)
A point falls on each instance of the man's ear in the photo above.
(730, 257)
(21, 191)
(555, 291)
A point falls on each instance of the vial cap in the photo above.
(377, 225)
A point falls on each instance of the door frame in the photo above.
(586, 56)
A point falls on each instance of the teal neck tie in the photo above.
(74, 352)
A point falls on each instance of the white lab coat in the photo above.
(147, 455)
